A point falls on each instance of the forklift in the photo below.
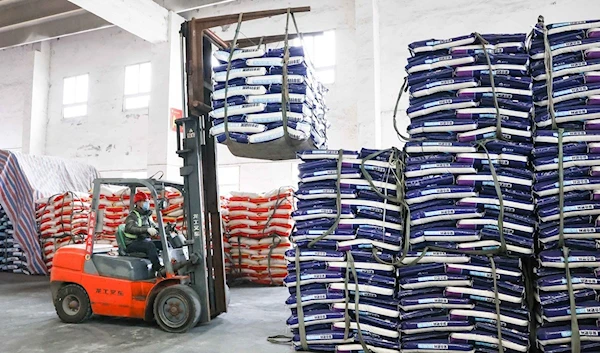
(87, 279)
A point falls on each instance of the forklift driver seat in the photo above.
(123, 247)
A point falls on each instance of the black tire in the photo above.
(72, 304)
(177, 308)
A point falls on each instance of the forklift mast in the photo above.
(197, 149)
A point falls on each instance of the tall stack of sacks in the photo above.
(114, 200)
(257, 229)
(254, 96)
(174, 213)
(573, 82)
(355, 240)
(448, 297)
(62, 220)
(12, 256)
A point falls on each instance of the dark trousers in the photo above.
(147, 247)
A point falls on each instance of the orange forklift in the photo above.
(86, 279)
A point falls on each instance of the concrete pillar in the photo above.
(368, 72)
(36, 103)
(166, 94)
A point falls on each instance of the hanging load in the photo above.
(267, 102)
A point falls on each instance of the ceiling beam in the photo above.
(143, 18)
(187, 5)
(59, 27)
(25, 12)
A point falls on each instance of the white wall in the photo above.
(16, 82)
(109, 138)
(116, 141)
(406, 21)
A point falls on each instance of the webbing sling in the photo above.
(548, 65)
(233, 45)
(483, 43)
(299, 308)
(575, 337)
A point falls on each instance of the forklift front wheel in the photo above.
(177, 308)
(72, 304)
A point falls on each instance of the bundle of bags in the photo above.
(342, 280)
(257, 229)
(174, 213)
(469, 194)
(565, 63)
(254, 97)
(114, 201)
(12, 256)
(62, 220)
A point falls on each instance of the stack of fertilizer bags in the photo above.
(447, 297)
(114, 200)
(257, 229)
(174, 213)
(346, 227)
(574, 85)
(63, 220)
(12, 256)
(254, 94)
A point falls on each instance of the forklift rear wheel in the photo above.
(72, 304)
(177, 308)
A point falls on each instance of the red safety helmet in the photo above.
(140, 196)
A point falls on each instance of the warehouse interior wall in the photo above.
(16, 86)
(371, 37)
(113, 140)
(403, 22)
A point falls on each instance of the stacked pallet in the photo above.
(348, 222)
(565, 60)
(62, 220)
(257, 229)
(469, 194)
(254, 97)
(12, 257)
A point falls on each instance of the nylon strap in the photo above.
(299, 308)
(232, 50)
(575, 337)
(350, 263)
(483, 43)
(403, 88)
(548, 65)
(285, 90)
(338, 203)
(276, 239)
(497, 301)
(346, 302)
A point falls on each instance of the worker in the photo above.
(138, 226)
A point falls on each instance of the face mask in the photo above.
(146, 206)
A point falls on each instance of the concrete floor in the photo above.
(29, 325)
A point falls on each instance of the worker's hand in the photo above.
(152, 231)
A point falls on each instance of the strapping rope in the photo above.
(338, 203)
(484, 43)
(497, 302)
(299, 308)
(231, 51)
(575, 337)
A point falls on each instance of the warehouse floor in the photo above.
(30, 325)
